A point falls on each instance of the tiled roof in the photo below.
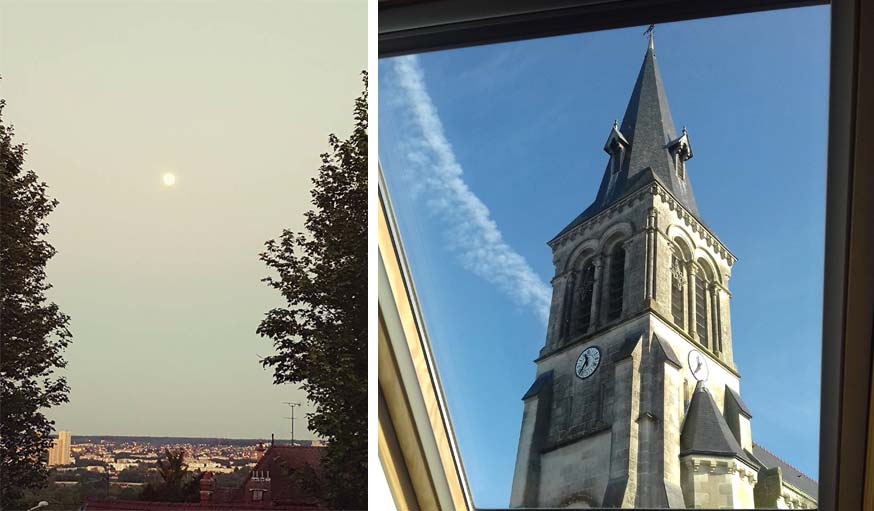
(281, 461)
(791, 474)
(141, 505)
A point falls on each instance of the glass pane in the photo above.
(510, 179)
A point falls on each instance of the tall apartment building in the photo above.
(59, 454)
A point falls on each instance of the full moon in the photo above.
(169, 179)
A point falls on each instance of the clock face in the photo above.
(698, 365)
(588, 362)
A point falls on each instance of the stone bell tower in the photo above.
(636, 401)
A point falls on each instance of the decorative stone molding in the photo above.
(596, 221)
(631, 200)
(704, 234)
(678, 275)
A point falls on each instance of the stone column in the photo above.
(651, 274)
(627, 247)
(708, 339)
(691, 271)
(557, 312)
(567, 307)
(598, 263)
(716, 341)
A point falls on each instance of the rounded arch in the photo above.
(580, 254)
(683, 239)
(680, 246)
(708, 264)
(615, 233)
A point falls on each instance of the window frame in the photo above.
(846, 446)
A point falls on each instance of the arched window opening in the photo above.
(615, 155)
(584, 308)
(701, 308)
(617, 283)
(678, 278)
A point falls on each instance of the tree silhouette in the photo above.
(173, 468)
(321, 336)
(33, 331)
(177, 483)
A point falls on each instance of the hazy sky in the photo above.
(163, 284)
(524, 126)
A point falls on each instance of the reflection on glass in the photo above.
(634, 399)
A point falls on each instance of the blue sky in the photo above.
(490, 151)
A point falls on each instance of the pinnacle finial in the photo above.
(616, 124)
(650, 31)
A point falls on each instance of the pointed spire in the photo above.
(652, 141)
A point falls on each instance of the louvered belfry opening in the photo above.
(585, 299)
(617, 283)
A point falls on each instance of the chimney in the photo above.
(271, 439)
(207, 485)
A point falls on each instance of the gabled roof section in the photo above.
(628, 347)
(668, 352)
(744, 409)
(649, 132)
(706, 432)
(540, 382)
(283, 462)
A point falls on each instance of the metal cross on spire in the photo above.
(649, 32)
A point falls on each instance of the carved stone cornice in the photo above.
(697, 227)
(656, 190)
(589, 225)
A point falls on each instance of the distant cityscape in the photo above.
(114, 454)
(96, 472)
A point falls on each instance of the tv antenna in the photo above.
(292, 406)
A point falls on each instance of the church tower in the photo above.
(636, 401)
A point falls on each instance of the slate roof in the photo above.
(740, 402)
(706, 432)
(791, 475)
(668, 351)
(541, 381)
(627, 347)
(649, 130)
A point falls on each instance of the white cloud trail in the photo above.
(473, 235)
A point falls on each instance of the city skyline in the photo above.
(161, 280)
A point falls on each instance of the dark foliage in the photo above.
(33, 331)
(177, 483)
(321, 336)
